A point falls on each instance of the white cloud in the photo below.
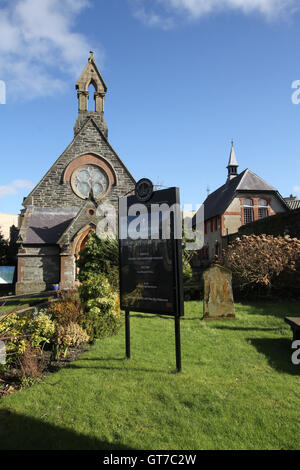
(14, 187)
(37, 40)
(165, 13)
(153, 19)
(296, 189)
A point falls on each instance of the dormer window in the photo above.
(262, 208)
(248, 211)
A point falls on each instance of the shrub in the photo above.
(186, 269)
(193, 288)
(102, 314)
(100, 256)
(19, 331)
(40, 329)
(100, 325)
(28, 363)
(66, 336)
(67, 310)
(12, 332)
(68, 295)
(259, 260)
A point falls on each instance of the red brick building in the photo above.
(244, 197)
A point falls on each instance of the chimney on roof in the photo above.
(232, 164)
(291, 198)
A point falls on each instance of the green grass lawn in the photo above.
(238, 389)
(9, 304)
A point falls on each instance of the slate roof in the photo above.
(293, 204)
(232, 158)
(45, 225)
(218, 201)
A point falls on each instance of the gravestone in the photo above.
(218, 296)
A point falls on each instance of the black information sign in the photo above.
(151, 256)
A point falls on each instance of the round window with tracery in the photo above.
(89, 180)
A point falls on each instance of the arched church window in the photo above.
(262, 208)
(248, 211)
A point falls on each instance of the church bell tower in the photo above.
(91, 75)
(232, 164)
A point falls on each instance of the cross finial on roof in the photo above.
(232, 164)
(92, 56)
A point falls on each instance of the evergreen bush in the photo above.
(101, 305)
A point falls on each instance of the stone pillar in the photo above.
(83, 97)
(67, 272)
(99, 102)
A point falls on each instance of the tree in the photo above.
(187, 271)
(4, 246)
(12, 250)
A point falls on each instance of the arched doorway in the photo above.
(79, 245)
(83, 243)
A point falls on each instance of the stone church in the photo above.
(60, 211)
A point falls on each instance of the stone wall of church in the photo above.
(38, 268)
(41, 266)
(52, 191)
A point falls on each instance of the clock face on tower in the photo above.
(89, 179)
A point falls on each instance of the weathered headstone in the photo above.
(218, 296)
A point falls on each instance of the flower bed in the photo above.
(39, 342)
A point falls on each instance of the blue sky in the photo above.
(184, 77)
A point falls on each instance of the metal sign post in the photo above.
(127, 333)
(177, 343)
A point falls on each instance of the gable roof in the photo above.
(90, 120)
(218, 201)
(45, 225)
(251, 182)
(81, 219)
